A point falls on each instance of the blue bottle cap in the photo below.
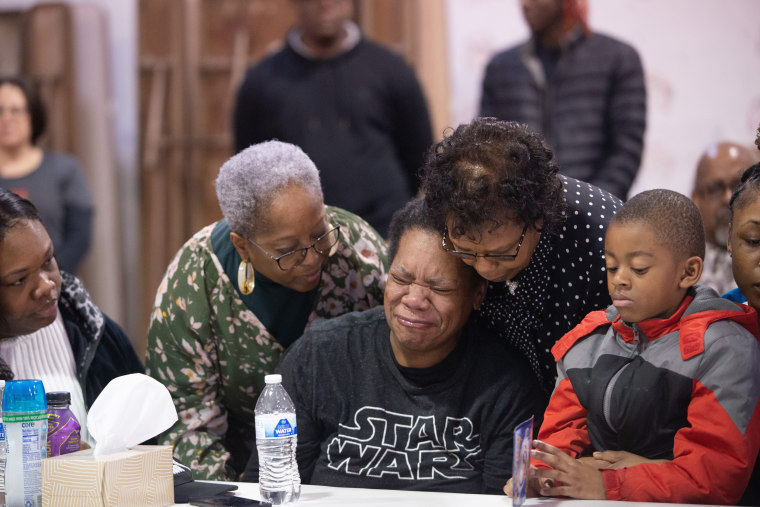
(24, 396)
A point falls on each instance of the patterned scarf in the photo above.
(518, 317)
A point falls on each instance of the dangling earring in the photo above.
(334, 248)
(246, 277)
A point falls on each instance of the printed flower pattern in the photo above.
(212, 352)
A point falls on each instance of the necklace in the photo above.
(511, 285)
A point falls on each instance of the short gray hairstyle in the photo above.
(249, 182)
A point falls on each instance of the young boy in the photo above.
(657, 395)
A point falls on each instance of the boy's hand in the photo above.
(571, 478)
(614, 460)
(534, 486)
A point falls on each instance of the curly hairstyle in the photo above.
(415, 215)
(34, 105)
(489, 172)
(673, 217)
(741, 197)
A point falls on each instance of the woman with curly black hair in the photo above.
(537, 236)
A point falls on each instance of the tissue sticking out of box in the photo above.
(130, 410)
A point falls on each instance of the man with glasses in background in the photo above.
(718, 173)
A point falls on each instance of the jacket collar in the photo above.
(652, 328)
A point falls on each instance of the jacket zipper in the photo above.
(607, 402)
(608, 397)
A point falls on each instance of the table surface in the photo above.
(325, 495)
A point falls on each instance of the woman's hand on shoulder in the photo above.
(615, 460)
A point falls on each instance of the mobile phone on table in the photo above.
(230, 501)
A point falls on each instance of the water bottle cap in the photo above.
(58, 398)
(24, 396)
(275, 378)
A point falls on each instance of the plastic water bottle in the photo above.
(2, 447)
(64, 431)
(25, 418)
(276, 437)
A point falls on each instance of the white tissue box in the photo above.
(139, 477)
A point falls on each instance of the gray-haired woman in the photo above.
(244, 288)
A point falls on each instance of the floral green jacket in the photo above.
(212, 352)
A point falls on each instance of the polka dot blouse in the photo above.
(565, 280)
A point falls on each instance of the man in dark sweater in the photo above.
(583, 91)
(412, 395)
(354, 107)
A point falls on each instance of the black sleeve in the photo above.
(519, 399)
(114, 357)
(487, 99)
(251, 472)
(412, 131)
(299, 377)
(627, 111)
(77, 236)
(250, 117)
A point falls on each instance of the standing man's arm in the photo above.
(488, 100)
(626, 119)
(250, 117)
(412, 130)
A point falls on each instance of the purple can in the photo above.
(64, 431)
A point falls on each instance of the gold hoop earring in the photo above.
(246, 277)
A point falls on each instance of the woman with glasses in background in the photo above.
(535, 235)
(244, 288)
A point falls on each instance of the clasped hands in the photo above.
(575, 478)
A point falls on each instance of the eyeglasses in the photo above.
(323, 245)
(718, 189)
(13, 111)
(472, 256)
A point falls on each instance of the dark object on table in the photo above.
(186, 489)
(233, 501)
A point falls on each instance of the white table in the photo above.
(325, 495)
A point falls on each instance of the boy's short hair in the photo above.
(674, 218)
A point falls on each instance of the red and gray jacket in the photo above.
(684, 388)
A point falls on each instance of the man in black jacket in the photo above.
(583, 91)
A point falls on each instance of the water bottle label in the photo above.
(23, 471)
(22, 417)
(276, 425)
